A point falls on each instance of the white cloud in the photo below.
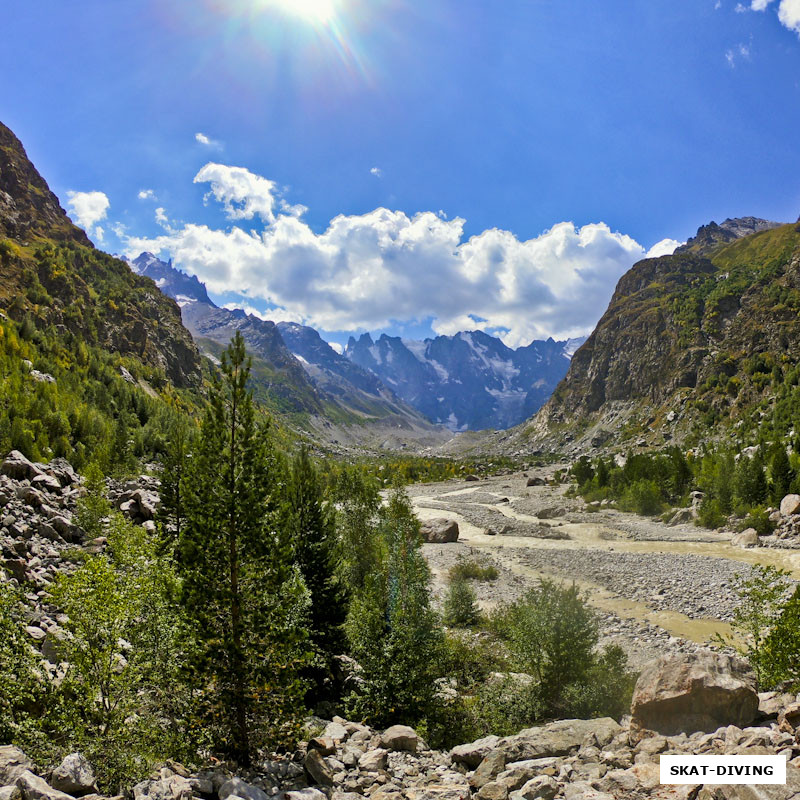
(272, 314)
(87, 209)
(376, 171)
(242, 193)
(368, 271)
(789, 14)
(740, 52)
(99, 233)
(207, 141)
(162, 219)
(339, 348)
(666, 247)
(147, 194)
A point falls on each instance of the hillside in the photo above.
(691, 343)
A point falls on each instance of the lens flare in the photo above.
(321, 11)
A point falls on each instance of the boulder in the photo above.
(336, 731)
(788, 791)
(32, 787)
(317, 769)
(694, 692)
(374, 760)
(13, 762)
(789, 718)
(74, 776)
(172, 788)
(488, 769)
(536, 482)
(542, 787)
(310, 793)
(10, 793)
(239, 788)
(790, 505)
(18, 467)
(471, 478)
(439, 531)
(473, 753)
(558, 738)
(438, 792)
(551, 512)
(747, 538)
(400, 737)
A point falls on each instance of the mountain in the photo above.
(469, 381)
(693, 345)
(294, 370)
(53, 274)
(353, 387)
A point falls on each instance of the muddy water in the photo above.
(601, 537)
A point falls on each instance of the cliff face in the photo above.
(52, 273)
(711, 332)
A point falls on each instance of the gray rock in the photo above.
(747, 538)
(558, 738)
(543, 787)
(317, 769)
(488, 769)
(473, 753)
(13, 762)
(18, 467)
(790, 505)
(173, 788)
(310, 793)
(400, 737)
(238, 787)
(10, 792)
(374, 760)
(33, 787)
(74, 776)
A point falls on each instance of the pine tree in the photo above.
(245, 603)
(781, 473)
(460, 605)
(393, 631)
(313, 532)
(171, 511)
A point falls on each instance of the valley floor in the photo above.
(657, 588)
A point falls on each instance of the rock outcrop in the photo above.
(439, 530)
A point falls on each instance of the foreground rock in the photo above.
(439, 531)
(696, 692)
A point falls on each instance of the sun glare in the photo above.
(311, 10)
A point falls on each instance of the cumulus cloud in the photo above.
(339, 348)
(147, 194)
(372, 270)
(87, 209)
(273, 314)
(788, 12)
(666, 247)
(162, 219)
(242, 193)
(376, 171)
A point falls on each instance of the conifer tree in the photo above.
(244, 600)
(313, 532)
(781, 473)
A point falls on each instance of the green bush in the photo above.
(758, 519)
(644, 497)
(473, 570)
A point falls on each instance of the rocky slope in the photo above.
(52, 273)
(470, 381)
(690, 342)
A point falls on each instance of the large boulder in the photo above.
(172, 788)
(317, 769)
(16, 466)
(13, 762)
(236, 787)
(400, 737)
(790, 505)
(74, 776)
(694, 692)
(472, 753)
(439, 531)
(747, 538)
(784, 791)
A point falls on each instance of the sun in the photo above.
(320, 11)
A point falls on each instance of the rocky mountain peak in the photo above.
(27, 206)
(173, 282)
(711, 235)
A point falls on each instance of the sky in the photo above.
(414, 167)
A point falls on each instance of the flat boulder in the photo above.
(558, 738)
(239, 788)
(473, 753)
(790, 505)
(439, 530)
(694, 692)
(32, 787)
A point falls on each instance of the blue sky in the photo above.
(526, 152)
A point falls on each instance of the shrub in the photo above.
(473, 570)
(643, 497)
(758, 519)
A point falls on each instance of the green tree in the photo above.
(313, 532)
(18, 684)
(393, 631)
(781, 473)
(174, 464)
(244, 602)
(781, 650)
(750, 483)
(460, 604)
(93, 507)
